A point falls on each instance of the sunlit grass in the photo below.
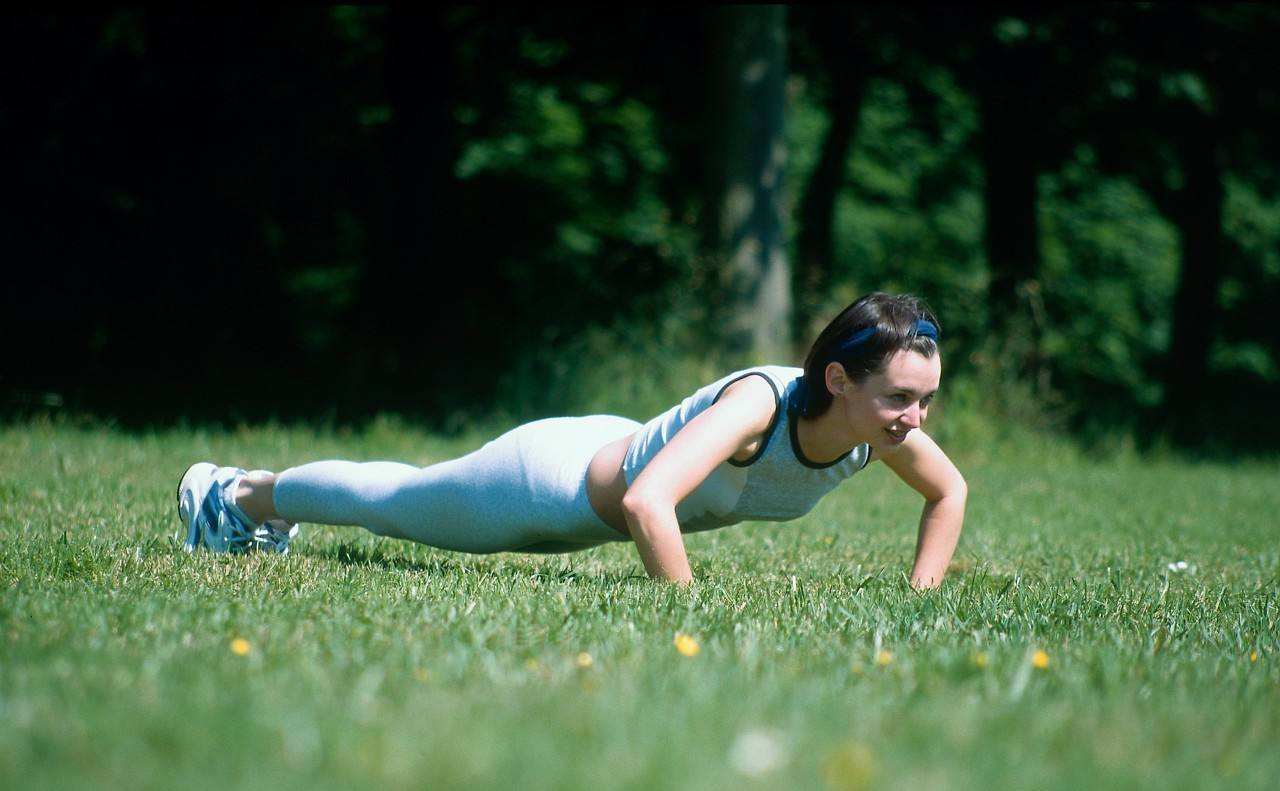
(1063, 652)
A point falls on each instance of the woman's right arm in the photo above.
(741, 415)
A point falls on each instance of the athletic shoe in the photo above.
(214, 521)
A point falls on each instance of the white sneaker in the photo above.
(213, 519)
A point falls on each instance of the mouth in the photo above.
(897, 436)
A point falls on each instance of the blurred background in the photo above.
(482, 214)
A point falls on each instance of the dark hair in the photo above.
(894, 318)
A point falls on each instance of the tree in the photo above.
(1190, 100)
(1026, 73)
(746, 150)
(843, 62)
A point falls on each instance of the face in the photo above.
(889, 405)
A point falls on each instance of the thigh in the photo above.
(556, 455)
(476, 503)
(524, 491)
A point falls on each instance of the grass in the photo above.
(382, 664)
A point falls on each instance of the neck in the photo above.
(824, 438)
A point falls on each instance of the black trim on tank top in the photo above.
(792, 413)
(773, 422)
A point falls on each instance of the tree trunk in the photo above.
(747, 153)
(815, 245)
(1012, 235)
(1195, 305)
(1009, 101)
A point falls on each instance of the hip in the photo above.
(582, 455)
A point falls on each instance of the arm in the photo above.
(741, 415)
(924, 467)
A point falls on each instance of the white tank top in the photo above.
(775, 485)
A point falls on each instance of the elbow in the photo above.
(641, 507)
(637, 505)
(957, 491)
(643, 515)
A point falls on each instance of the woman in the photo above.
(765, 443)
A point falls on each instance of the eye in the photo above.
(898, 398)
(926, 401)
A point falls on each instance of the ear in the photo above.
(837, 381)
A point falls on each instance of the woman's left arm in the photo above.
(924, 467)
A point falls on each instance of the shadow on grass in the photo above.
(510, 564)
(356, 555)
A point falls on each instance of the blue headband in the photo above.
(926, 328)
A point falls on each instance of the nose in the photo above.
(913, 416)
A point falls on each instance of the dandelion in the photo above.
(884, 658)
(421, 674)
(532, 665)
(980, 660)
(240, 647)
(1039, 660)
(757, 752)
(1253, 656)
(851, 766)
(686, 645)
(583, 660)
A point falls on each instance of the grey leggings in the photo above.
(524, 491)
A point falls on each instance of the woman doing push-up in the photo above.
(763, 443)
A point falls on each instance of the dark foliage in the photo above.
(333, 212)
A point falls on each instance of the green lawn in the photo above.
(383, 664)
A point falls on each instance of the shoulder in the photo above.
(773, 380)
(753, 397)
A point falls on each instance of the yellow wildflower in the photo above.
(1253, 656)
(884, 658)
(850, 767)
(980, 660)
(421, 674)
(686, 645)
(240, 647)
(1039, 660)
(583, 660)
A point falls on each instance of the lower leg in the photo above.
(452, 505)
(368, 494)
(256, 496)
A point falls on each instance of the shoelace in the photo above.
(273, 540)
(237, 536)
(241, 537)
